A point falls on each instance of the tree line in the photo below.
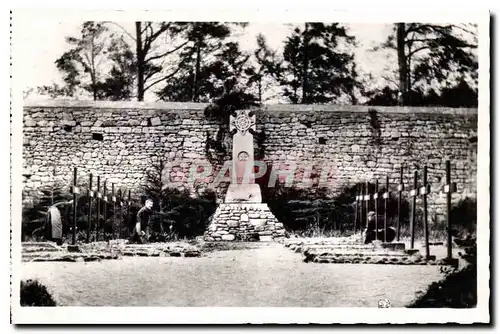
(203, 62)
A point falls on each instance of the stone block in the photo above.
(232, 223)
(155, 121)
(393, 245)
(228, 237)
(258, 221)
(73, 248)
(411, 251)
(265, 238)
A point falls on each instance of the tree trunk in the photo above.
(94, 87)
(404, 88)
(197, 70)
(260, 90)
(305, 65)
(140, 62)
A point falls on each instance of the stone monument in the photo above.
(243, 216)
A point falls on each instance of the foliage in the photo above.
(457, 290)
(98, 63)
(155, 63)
(317, 66)
(432, 55)
(260, 77)
(33, 293)
(35, 217)
(464, 215)
(176, 212)
(119, 84)
(206, 64)
(460, 95)
(315, 210)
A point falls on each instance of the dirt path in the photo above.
(267, 276)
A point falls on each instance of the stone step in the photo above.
(39, 249)
(356, 253)
(376, 260)
(69, 257)
(393, 245)
(411, 251)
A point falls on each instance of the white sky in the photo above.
(42, 45)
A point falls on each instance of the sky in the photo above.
(44, 44)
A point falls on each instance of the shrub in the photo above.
(314, 212)
(34, 218)
(457, 290)
(464, 215)
(33, 293)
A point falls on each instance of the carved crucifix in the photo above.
(243, 187)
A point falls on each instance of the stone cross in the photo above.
(243, 187)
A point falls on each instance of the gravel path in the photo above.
(267, 276)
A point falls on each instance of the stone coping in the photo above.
(43, 252)
(379, 260)
(272, 108)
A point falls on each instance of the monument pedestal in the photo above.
(248, 193)
(245, 222)
(242, 216)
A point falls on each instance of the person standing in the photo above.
(141, 230)
(54, 223)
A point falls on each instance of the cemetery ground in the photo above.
(239, 274)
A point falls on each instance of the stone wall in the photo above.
(120, 141)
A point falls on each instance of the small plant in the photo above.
(33, 293)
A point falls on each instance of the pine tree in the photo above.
(206, 64)
(260, 75)
(99, 63)
(432, 56)
(317, 65)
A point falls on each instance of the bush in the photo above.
(34, 218)
(313, 211)
(457, 290)
(33, 293)
(464, 216)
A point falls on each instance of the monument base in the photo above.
(245, 222)
(248, 193)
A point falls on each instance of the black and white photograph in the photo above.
(224, 168)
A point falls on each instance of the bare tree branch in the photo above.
(412, 52)
(148, 41)
(163, 79)
(167, 52)
(465, 30)
(151, 74)
(124, 30)
(386, 78)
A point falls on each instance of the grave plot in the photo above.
(378, 243)
(48, 252)
(162, 249)
(340, 251)
(44, 252)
